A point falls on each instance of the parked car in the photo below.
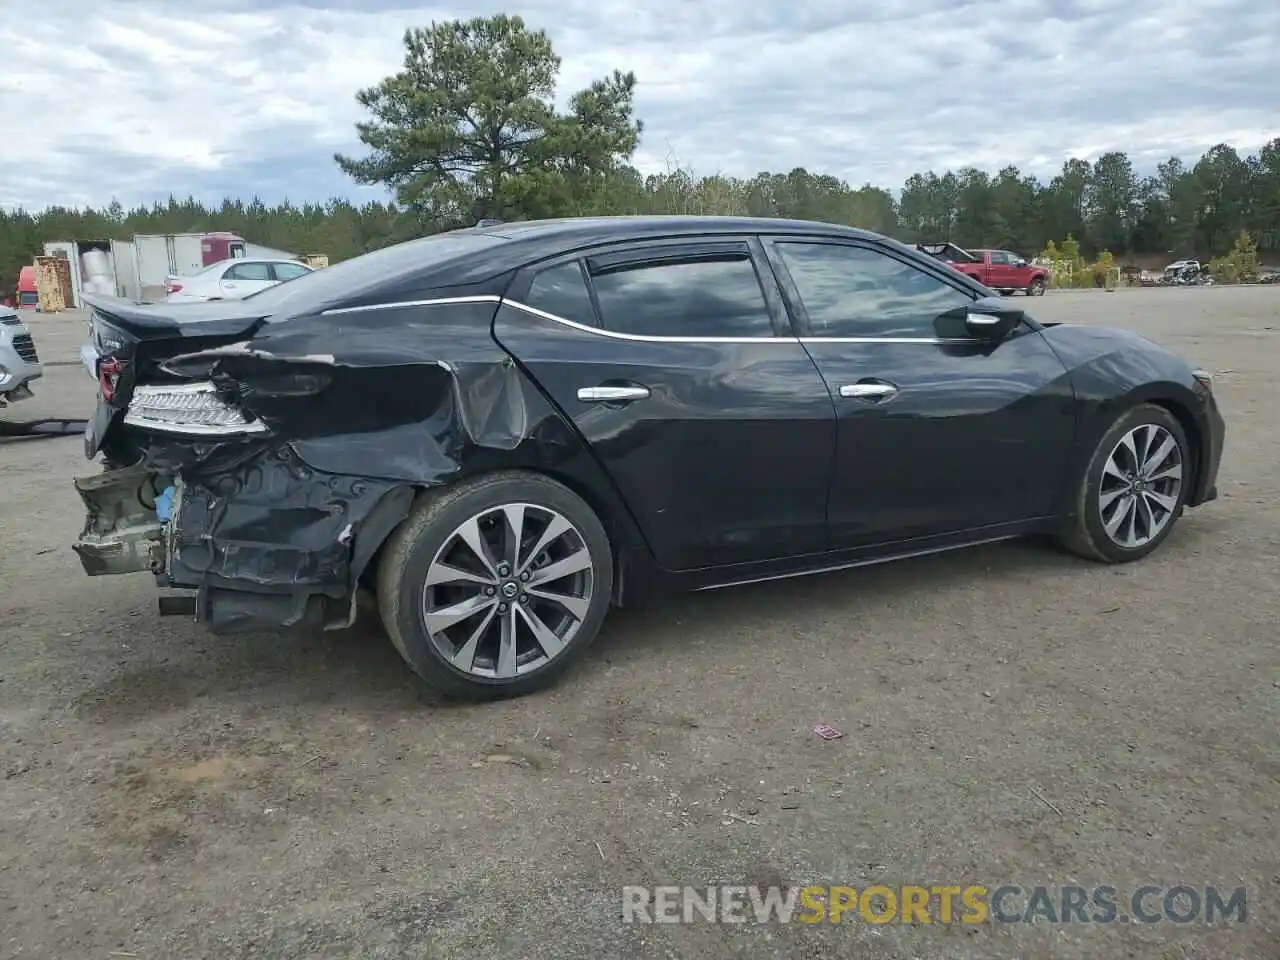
(502, 431)
(998, 269)
(19, 363)
(232, 279)
(1187, 273)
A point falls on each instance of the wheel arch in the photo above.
(630, 554)
(1166, 395)
(1193, 431)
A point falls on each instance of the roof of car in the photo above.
(574, 228)
(476, 255)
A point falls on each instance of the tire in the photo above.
(1097, 500)
(439, 530)
(1036, 287)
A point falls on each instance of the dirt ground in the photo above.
(1010, 714)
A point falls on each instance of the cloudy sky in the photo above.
(134, 99)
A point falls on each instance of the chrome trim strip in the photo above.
(613, 335)
(395, 305)
(935, 341)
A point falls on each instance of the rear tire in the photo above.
(1134, 489)
(514, 620)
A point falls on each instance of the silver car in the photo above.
(19, 363)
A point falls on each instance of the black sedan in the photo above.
(499, 432)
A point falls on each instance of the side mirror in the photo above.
(1019, 262)
(992, 318)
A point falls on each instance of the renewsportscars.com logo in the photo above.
(914, 904)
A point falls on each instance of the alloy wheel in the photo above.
(508, 591)
(1140, 487)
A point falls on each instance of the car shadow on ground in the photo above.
(358, 669)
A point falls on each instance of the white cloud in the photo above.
(139, 98)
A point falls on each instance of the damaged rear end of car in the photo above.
(258, 453)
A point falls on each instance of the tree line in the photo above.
(469, 129)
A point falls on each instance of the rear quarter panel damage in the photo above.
(367, 409)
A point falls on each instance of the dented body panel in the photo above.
(364, 410)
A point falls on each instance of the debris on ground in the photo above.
(827, 732)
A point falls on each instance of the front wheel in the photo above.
(492, 588)
(1134, 488)
(1036, 287)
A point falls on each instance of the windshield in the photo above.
(349, 277)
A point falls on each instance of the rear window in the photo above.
(351, 277)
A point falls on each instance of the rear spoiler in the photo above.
(154, 321)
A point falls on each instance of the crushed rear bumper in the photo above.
(270, 544)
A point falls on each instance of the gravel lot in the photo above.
(170, 794)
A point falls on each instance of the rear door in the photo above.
(677, 365)
(938, 432)
(288, 271)
(243, 278)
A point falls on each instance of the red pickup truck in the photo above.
(998, 269)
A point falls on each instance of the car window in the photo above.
(699, 297)
(562, 291)
(248, 271)
(350, 278)
(288, 271)
(852, 291)
(999, 257)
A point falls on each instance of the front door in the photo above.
(678, 368)
(1001, 275)
(938, 432)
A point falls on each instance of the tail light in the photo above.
(194, 409)
(109, 371)
(171, 286)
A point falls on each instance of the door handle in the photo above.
(615, 394)
(871, 392)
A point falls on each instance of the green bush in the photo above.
(1240, 265)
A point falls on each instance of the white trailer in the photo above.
(160, 255)
(137, 269)
(258, 251)
(97, 266)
